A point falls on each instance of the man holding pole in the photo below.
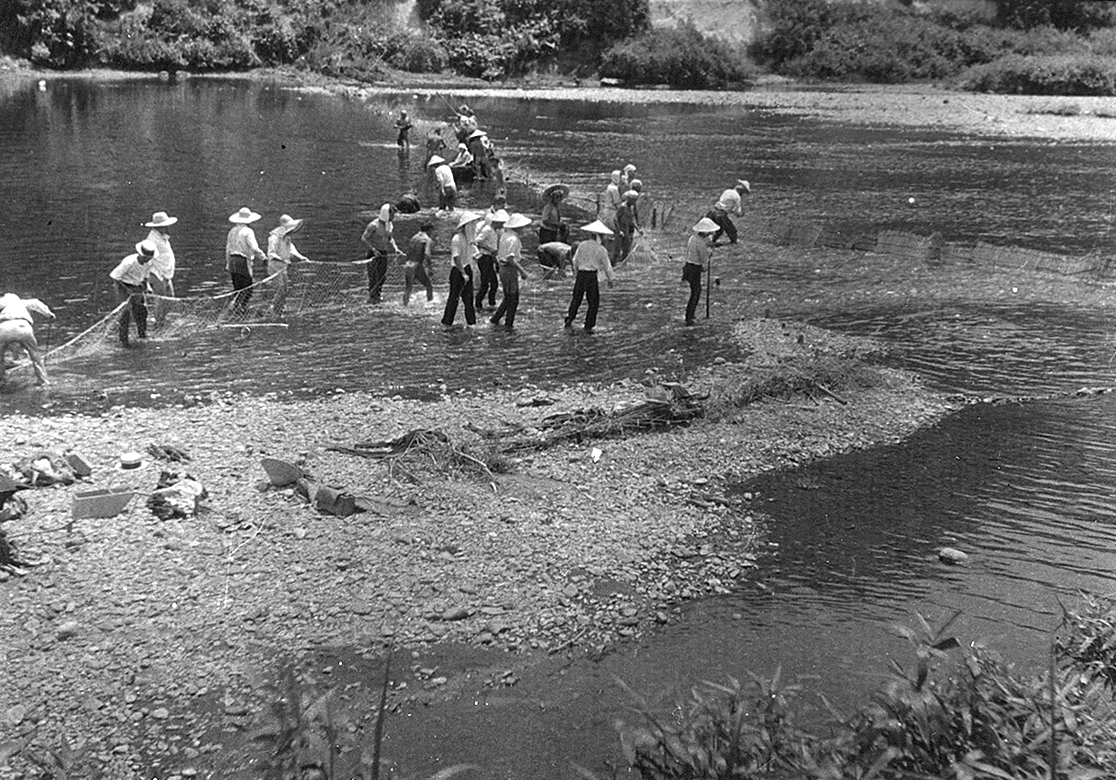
(698, 255)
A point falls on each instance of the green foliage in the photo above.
(1063, 14)
(980, 722)
(1065, 74)
(884, 43)
(681, 57)
(721, 732)
(1087, 638)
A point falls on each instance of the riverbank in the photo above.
(567, 548)
(935, 106)
(130, 623)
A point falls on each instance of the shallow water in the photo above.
(850, 547)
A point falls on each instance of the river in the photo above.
(1024, 488)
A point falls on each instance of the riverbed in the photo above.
(848, 544)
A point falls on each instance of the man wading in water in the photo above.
(590, 258)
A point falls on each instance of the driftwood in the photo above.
(434, 445)
(667, 406)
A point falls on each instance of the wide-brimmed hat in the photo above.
(466, 218)
(289, 224)
(516, 221)
(629, 168)
(706, 225)
(160, 219)
(561, 189)
(636, 184)
(741, 183)
(244, 217)
(498, 216)
(435, 160)
(597, 227)
(477, 134)
(631, 195)
(146, 249)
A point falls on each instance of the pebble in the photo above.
(952, 556)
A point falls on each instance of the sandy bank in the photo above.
(131, 616)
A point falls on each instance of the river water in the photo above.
(1024, 488)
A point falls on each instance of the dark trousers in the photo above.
(416, 272)
(376, 267)
(509, 278)
(243, 284)
(136, 310)
(488, 281)
(585, 287)
(724, 223)
(460, 290)
(447, 197)
(691, 272)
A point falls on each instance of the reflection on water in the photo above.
(1025, 489)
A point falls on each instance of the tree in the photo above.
(1077, 15)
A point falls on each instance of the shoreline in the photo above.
(928, 105)
(135, 627)
(579, 547)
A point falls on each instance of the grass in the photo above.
(974, 719)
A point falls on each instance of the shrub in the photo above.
(681, 57)
(1078, 75)
(977, 719)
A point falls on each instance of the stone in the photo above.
(68, 630)
(952, 556)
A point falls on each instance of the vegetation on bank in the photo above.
(1057, 47)
(1031, 46)
(976, 719)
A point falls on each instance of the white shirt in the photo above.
(131, 271)
(730, 202)
(162, 264)
(461, 247)
(12, 307)
(444, 174)
(242, 241)
(592, 256)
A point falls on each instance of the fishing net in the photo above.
(310, 286)
(320, 286)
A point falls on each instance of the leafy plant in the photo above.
(682, 57)
(315, 737)
(975, 720)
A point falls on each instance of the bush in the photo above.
(1078, 75)
(681, 57)
(977, 719)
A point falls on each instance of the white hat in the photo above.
(516, 221)
(744, 184)
(629, 168)
(631, 195)
(706, 225)
(145, 249)
(435, 160)
(598, 227)
(477, 134)
(245, 216)
(289, 224)
(498, 216)
(160, 219)
(466, 218)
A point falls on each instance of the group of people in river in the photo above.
(486, 251)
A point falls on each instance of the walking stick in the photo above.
(708, 282)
